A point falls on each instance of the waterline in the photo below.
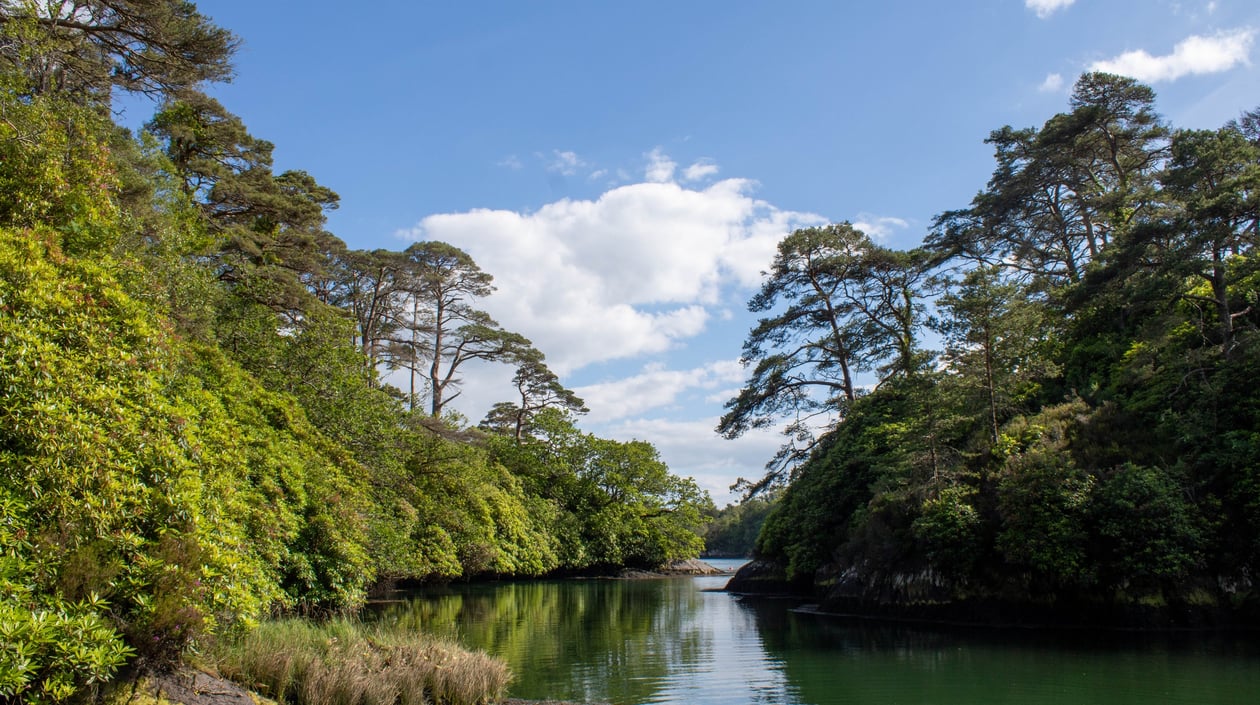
(675, 640)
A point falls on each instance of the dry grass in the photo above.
(343, 662)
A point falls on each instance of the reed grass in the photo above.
(345, 662)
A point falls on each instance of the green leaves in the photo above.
(136, 45)
(151, 479)
(612, 503)
(55, 169)
(841, 305)
(1088, 431)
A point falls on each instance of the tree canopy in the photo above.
(1084, 434)
(85, 47)
(198, 381)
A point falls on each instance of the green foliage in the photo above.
(479, 508)
(294, 495)
(951, 532)
(161, 485)
(612, 503)
(1043, 497)
(93, 448)
(50, 648)
(732, 531)
(1090, 431)
(814, 515)
(1147, 532)
(55, 169)
(84, 49)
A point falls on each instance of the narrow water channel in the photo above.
(679, 641)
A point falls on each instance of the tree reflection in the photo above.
(585, 640)
(853, 661)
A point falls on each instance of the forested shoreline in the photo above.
(199, 429)
(1051, 403)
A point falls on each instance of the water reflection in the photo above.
(830, 660)
(670, 641)
(594, 640)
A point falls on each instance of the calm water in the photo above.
(675, 641)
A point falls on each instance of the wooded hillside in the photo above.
(197, 425)
(1052, 399)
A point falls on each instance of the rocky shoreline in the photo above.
(693, 566)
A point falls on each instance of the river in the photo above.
(681, 641)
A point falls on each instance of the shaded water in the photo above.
(674, 641)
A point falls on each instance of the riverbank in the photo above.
(924, 598)
(352, 662)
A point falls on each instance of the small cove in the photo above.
(680, 640)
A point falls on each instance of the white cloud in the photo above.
(654, 388)
(630, 273)
(1193, 55)
(598, 174)
(879, 227)
(1052, 84)
(1045, 8)
(565, 163)
(511, 162)
(641, 269)
(660, 168)
(700, 170)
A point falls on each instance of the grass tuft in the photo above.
(344, 662)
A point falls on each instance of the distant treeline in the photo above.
(732, 531)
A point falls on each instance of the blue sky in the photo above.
(624, 170)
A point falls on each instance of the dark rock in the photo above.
(188, 686)
(765, 578)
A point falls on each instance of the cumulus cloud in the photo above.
(879, 227)
(1052, 84)
(1192, 55)
(1045, 8)
(655, 387)
(633, 272)
(511, 162)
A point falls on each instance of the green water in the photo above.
(674, 641)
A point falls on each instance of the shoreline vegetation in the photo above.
(342, 661)
(1083, 446)
(919, 600)
(346, 662)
